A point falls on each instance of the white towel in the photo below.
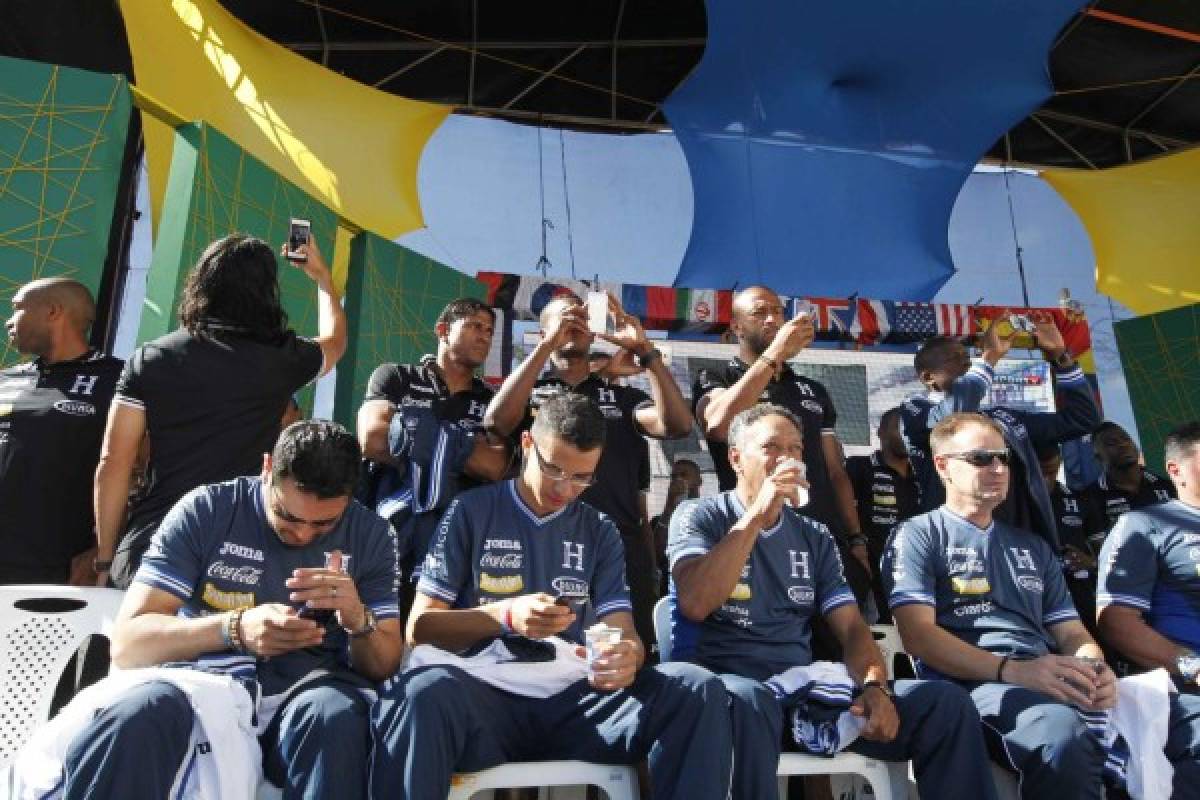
(225, 762)
(497, 666)
(1141, 716)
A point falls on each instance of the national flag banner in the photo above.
(873, 322)
(1071, 323)
(856, 319)
(915, 321)
(834, 315)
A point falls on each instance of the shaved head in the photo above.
(72, 296)
(758, 314)
(745, 300)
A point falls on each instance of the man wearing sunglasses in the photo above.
(284, 584)
(985, 604)
(751, 574)
(630, 414)
(944, 367)
(502, 556)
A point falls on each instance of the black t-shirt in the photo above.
(52, 420)
(618, 479)
(213, 407)
(885, 497)
(1152, 490)
(420, 385)
(807, 399)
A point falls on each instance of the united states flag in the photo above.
(932, 319)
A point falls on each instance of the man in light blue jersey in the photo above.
(985, 604)
(501, 558)
(749, 576)
(281, 581)
(1149, 584)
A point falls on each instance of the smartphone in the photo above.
(807, 310)
(298, 236)
(572, 600)
(321, 616)
(1021, 323)
(599, 320)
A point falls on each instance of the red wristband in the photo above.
(508, 623)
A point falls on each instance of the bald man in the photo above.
(52, 415)
(767, 340)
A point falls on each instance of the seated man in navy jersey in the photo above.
(749, 576)
(1125, 484)
(501, 556)
(281, 582)
(1149, 586)
(985, 604)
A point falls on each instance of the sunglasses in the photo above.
(982, 458)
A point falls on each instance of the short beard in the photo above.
(757, 343)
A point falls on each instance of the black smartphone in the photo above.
(572, 600)
(321, 616)
(298, 236)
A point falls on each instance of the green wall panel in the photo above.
(62, 138)
(215, 188)
(393, 297)
(1161, 357)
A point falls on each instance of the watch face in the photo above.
(1189, 666)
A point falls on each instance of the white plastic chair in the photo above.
(618, 782)
(882, 775)
(41, 627)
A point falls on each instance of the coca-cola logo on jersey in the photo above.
(501, 560)
(238, 574)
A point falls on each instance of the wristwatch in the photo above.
(1188, 664)
(1064, 360)
(647, 358)
(369, 625)
(881, 686)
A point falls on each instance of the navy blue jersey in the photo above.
(809, 400)
(999, 588)
(1152, 490)
(491, 546)
(216, 552)
(1027, 505)
(920, 413)
(1151, 562)
(764, 627)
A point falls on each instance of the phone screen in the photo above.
(599, 320)
(298, 236)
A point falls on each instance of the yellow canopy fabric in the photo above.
(354, 148)
(1142, 219)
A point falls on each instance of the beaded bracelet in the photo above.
(235, 631)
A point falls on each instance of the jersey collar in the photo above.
(529, 512)
(740, 510)
(953, 515)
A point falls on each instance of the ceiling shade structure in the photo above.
(827, 142)
(354, 148)
(1142, 222)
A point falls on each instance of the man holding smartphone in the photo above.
(629, 415)
(984, 604)
(767, 340)
(510, 558)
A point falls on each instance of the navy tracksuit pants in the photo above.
(1046, 743)
(939, 732)
(317, 747)
(434, 721)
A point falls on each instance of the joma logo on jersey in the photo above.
(501, 544)
(240, 550)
